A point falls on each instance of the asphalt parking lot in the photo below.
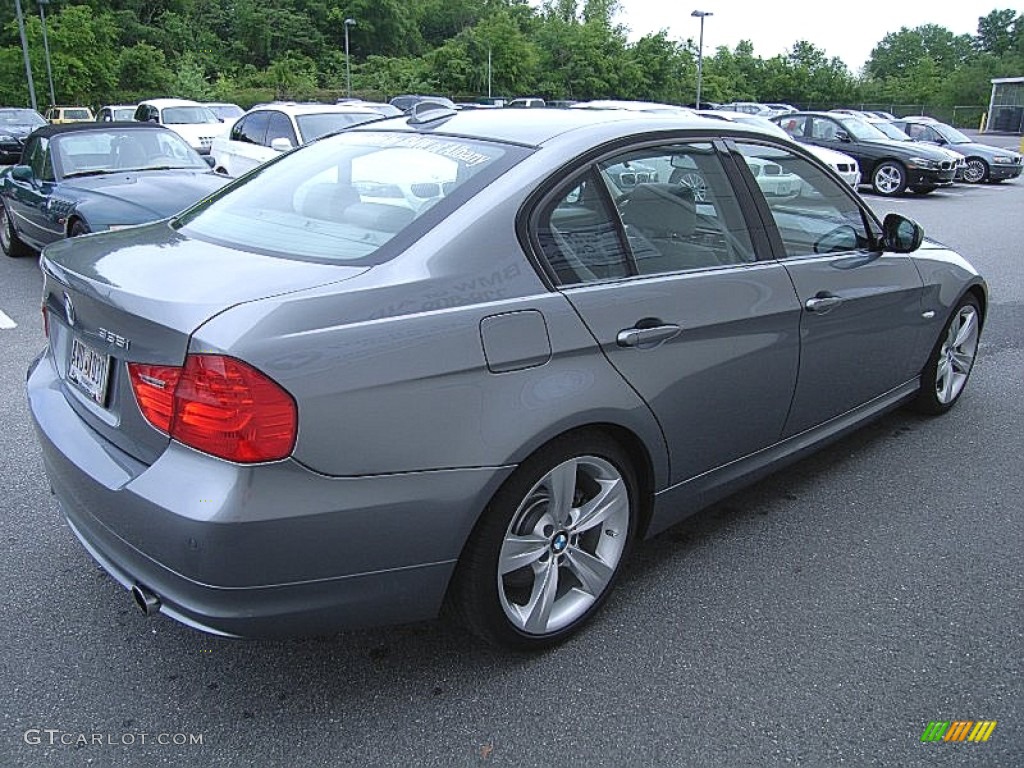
(822, 617)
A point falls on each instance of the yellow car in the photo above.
(58, 115)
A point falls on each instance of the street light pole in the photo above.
(348, 60)
(46, 48)
(24, 50)
(700, 51)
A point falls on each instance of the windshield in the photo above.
(763, 122)
(342, 198)
(316, 125)
(862, 130)
(950, 134)
(188, 116)
(892, 132)
(92, 153)
(226, 111)
(20, 117)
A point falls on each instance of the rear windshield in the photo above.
(77, 114)
(345, 197)
(188, 116)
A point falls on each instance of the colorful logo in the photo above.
(959, 730)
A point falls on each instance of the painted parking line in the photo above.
(5, 322)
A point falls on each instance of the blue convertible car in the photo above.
(91, 177)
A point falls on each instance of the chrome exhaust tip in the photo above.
(148, 603)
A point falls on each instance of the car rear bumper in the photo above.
(268, 551)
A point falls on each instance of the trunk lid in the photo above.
(138, 295)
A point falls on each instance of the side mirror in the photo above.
(842, 136)
(281, 144)
(22, 173)
(210, 160)
(900, 234)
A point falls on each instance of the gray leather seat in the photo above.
(660, 219)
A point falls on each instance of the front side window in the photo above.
(817, 215)
(343, 198)
(40, 159)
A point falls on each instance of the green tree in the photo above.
(997, 32)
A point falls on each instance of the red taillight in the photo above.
(218, 405)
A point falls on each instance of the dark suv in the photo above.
(890, 167)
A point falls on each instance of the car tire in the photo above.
(975, 170)
(924, 190)
(889, 179)
(79, 227)
(534, 571)
(952, 359)
(10, 243)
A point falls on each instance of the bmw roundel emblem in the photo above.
(69, 309)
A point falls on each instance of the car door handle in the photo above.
(822, 304)
(647, 338)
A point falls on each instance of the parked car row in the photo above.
(892, 161)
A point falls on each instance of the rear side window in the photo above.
(645, 212)
(252, 129)
(345, 197)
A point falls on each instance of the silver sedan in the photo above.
(453, 360)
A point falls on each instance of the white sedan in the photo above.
(266, 130)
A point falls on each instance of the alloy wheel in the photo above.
(975, 170)
(563, 545)
(889, 179)
(956, 357)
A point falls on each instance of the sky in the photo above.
(848, 30)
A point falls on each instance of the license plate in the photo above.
(90, 370)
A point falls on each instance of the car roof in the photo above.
(119, 106)
(536, 127)
(55, 130)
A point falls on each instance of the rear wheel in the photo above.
(549, 547)
(945, 375)
(975, 170)
(10, 243)
(889, 179)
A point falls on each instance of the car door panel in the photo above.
(861, 308)
(673, 293)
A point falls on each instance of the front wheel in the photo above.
(949, 366)
(10, 243)
(889, 179)
(975, 170)
(549, 547)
